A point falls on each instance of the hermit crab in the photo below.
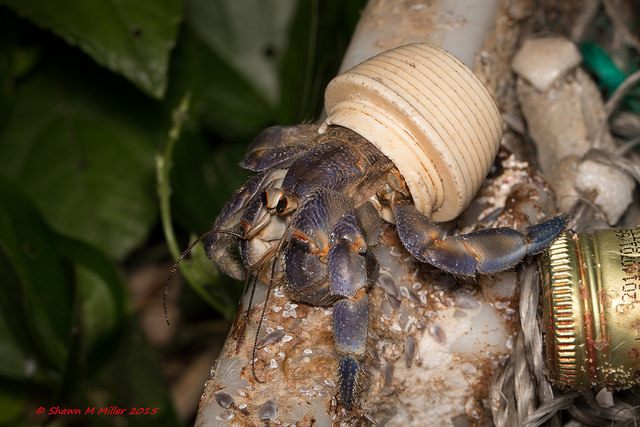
(409, 136)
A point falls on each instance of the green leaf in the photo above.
(82, 148)
(102, 297)
(63, 306)
(46, 278)
(131, 37)
(12, 405)
(249, 35)
(204, 277)
(14, 358)
(222, 99)
(318, 38)
(40, 307)
(203, 179)
(132, 379)
(602, 65)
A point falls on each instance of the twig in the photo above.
(612, 13)
(611, 104)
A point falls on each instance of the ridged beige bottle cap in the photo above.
(427, 112)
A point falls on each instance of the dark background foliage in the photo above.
(89, 91)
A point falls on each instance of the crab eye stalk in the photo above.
(278, 201)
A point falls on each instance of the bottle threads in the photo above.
(591, 309)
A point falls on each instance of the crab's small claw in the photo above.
(485, 251)
(222, 248)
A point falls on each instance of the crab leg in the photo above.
(349, 271)
(278, 146)
(485, 251)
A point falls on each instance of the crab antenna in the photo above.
(254, 280)
(253, 272)
(174, 268)
(264, 309)
(259, 265)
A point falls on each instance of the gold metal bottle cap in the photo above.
(591, 309)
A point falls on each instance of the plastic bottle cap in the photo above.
(427, 112)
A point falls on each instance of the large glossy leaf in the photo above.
(317, 41)
(131, 37)
(47, 278)
(132, 378)
(12, 404)
(13, 355)
(250, 35)
(204, 179)
(82, 148)
(101, 296)
(64, 315)
(37, 306)
(222, 100)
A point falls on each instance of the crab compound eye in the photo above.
(281, 202)
(282, 205)
(287, 204)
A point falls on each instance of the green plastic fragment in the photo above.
(596, 60)
(609, 76)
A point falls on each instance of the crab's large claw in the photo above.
(485, 251)
(221, 247)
